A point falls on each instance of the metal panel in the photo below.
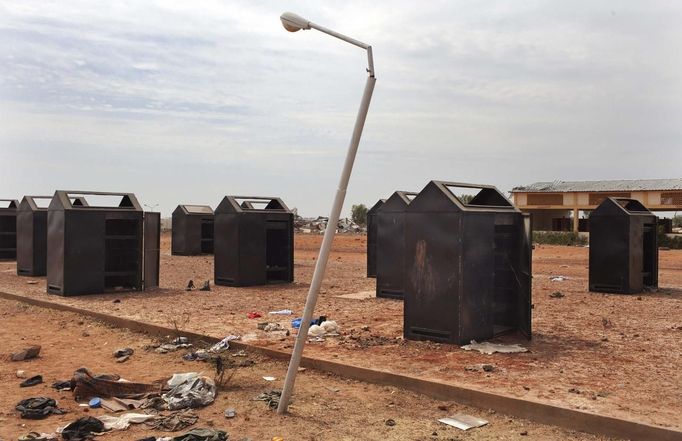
(31, 237)
(8, 229)
(372, 239)
(152, 249)
(525, 304)
(192, 232)
(390, 246)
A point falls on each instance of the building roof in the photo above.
(595, 186)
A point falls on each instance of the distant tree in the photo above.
(359, 214)
(677, 221)
(466, 198)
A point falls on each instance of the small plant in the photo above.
(178, 322)
(568, 238)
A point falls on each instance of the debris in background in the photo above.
(199, 355)
(21, 374)
(230, 413)
(35, 436)
(267, 378)
(326, 328)
(174, 345)
(83, 429)
(319, 225)
(223, 344)
(206, 286)
(558, 278)
(32, 381)
(175, 421)
(481, 368)
(557, 295)
(491, 348)
(124, 421)
(32, 282)
(253, 315)
(190, 285)
(270, 327)
(189, 390)
(123, 352)
(463, 422)
(390, 422)
(38, 408)
(95, 403)
(282, 312)
(62, 385)
(296, 323)
(26, 354)
(115, 404)
(202, 435)
(271, 397)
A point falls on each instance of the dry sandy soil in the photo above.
(610, 354)
(326, 407)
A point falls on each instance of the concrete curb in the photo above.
(531, 410)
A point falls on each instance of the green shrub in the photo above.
(559, 238)
(674, 243)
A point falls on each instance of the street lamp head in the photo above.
(293, 22)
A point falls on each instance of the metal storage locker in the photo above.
(8, 229)
(32, 236)
(467, 265)
(390, 245)
(192, 230)
(98, 247)
(623, 247)
(372, 238)
(253, 242)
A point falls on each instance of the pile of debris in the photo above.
(319, 225)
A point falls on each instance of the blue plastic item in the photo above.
(296, 323)
(95, 403)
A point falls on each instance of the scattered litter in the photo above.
(206, 286)
(38, 408)
(266, 378)
(190, 285)
(123, 354)
(332, 389)
(316, 331)
(326, 328)
(32, 282)
(230, 413)
(173, 422)
(174, 345)
(282, 312)
(362, 295)
(253, 315)
(271, 397)
(124, 421)
(558, 278)
(491, 348)
(199, 355)
(223, 344)
(32, 381)
(95, 403)
(35, 436)
(296, 323)
(189, 390)
(26, 354)
(202, 435)
(481, 368)
(270, 327)
(21, 374)
(120, 404)
(557, 295)
(301, 369)
(390, 422)
(123, 359)
(241, 353)
(86, 386)
(82, 429)
(62, 385)
(463, 422)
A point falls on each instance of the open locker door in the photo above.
(525, 293)
(152, 249)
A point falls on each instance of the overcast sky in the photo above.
(184, 102)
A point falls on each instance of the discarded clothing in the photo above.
(35, 436)
(86, 386)
(270, 327)
(282, 312)
(115, 404)
(223, 344)
(173, 422)
(253, 315)
(83, 429)
(203, 435)
(491, 348)
(118, 353)
(271, 397)
(38, 408)
(206, 287)
(189, 390)
(62, 385)
(190, 285)
(124, 421)
(200, 355)
(328, 327)
(32, 381)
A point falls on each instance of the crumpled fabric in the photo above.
(189, 390)
(203, 435)
(173, 422)
(86, 386)
(223, 344)
(83, 429)
(38, 408)
(124, 421)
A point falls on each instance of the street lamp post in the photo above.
(293, 23)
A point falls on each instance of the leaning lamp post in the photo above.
(293, 23)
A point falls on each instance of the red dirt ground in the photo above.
(621, 353)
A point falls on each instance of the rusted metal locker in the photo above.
(253, 242)
(372, 238)
(467, 264)
(390, 245)
(623, 247)
(8, 229)
(192, 232)
(32, 236)
(96, 243)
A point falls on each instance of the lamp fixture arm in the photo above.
(360, 44)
